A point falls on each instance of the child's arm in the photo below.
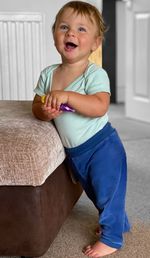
(88, 105)
(39, 111)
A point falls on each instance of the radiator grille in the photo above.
(22, 54)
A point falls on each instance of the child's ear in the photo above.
(97, 43)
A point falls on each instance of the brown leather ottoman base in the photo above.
(30, 217)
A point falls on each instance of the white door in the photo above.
(138, 59)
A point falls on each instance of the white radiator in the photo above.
(22, 54)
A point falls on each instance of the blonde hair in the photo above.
(86, 9)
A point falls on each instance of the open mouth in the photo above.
(70, 45)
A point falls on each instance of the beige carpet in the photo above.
(78, 231)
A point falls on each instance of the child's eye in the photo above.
(82, 29)
(63, 27)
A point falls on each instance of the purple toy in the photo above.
(65, 107)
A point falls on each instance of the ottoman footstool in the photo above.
(36, 190)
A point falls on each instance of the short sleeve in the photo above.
(39, 90)
(97, 81)
(44, 81)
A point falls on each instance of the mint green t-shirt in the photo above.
(74, 128)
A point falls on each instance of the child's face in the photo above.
(75, 36)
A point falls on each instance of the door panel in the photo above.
(137, 59)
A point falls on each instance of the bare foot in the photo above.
(98, 250)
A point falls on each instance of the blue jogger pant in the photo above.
(100, 166)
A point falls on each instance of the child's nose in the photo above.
(71, 32)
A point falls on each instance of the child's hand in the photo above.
(51, 113)
(55, 98)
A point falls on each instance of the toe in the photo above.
(87, 248)
(88, 251)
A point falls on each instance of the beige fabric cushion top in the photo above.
(30, 150)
